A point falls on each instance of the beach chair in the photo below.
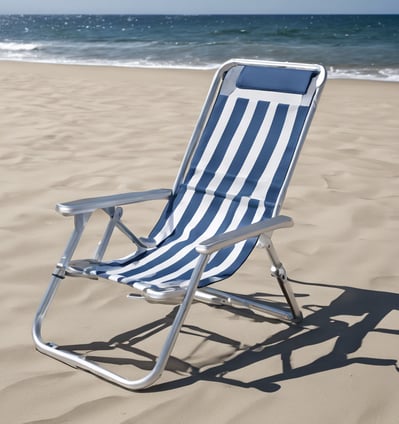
(226, 200)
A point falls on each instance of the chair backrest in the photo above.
(252, 134)
(246, 143)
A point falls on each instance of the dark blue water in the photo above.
(364, 46)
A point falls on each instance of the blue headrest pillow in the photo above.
(295, 81)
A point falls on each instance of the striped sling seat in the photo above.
(235, 178)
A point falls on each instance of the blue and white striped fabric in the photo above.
(234, 179)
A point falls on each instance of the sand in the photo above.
(68, 132)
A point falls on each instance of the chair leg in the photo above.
(278, 271)
(218, 297)
(58, 275)
(78, 361)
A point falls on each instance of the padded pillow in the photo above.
(295, 81)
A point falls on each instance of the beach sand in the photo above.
(70, 132)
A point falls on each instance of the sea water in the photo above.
(350, 46)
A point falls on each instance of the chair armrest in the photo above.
(77, 207)
(220, 241)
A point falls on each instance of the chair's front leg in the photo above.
(80, 222)
(179, 320)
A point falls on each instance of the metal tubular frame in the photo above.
(81, 210)
(78, 361)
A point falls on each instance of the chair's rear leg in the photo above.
(278, 271)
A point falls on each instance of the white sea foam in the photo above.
(60, 53)
(386, 74)
(16, 47)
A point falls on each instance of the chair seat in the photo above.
(164, 266)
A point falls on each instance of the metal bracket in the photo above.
(278, 272)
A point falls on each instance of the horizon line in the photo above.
(203, 14)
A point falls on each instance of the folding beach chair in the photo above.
(226, 199)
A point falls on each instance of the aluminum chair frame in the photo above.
(81, 210)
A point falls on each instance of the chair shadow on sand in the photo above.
(368, 307)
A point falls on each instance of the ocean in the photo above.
(349, 46)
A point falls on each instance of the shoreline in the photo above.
(342, 75)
